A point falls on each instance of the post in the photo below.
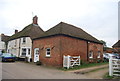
(68, 62)
(110, 66)
(79, 60)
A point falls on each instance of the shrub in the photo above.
(38, 63)
(98, 61)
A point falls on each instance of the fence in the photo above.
(70, 61)
(114, 67)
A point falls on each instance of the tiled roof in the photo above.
(69, 30)
(4, 38)
(31, 31)
(117, 44)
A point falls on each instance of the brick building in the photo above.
(66, 39)
(116, 47)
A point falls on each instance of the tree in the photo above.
(104, 43)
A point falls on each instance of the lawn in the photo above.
(84, 66)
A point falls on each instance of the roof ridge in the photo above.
(69, 30)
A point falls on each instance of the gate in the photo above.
(114, 67)
(70, 61)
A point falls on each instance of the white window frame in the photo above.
(98, 54)
(29, 51)
(23, 40)
(22, 52)
(26, 51)
(48, 52)
(91, 52)
(37, 51)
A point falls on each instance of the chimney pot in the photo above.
(35, 19)
(2, 34)
(16, 31)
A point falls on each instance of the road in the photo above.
(21, 70)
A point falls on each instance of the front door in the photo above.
(36, 54)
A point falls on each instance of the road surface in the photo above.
(21, 70)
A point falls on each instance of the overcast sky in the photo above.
(97, 17)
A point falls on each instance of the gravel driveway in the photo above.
(19, 70)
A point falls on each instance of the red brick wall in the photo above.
(62, 45)
(52, 42)
(74, 47)
(95, 48)
(117, 50)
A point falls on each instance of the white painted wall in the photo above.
(2, 44)
(15, 46)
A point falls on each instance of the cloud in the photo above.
(97, 17)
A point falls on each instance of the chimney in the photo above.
(35, 19)
(16, 31)
(2, 34)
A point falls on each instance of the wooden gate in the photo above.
(70, 61)
(114, 66)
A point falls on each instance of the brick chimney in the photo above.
(2, 34)
(35, 19)
(16, 31)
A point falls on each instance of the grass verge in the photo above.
(106, 76)
(83, 66)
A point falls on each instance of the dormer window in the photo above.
(24, 40)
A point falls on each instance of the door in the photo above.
(36, 54)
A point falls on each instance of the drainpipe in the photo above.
(87, 51)
(19, 47)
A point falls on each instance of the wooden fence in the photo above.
(70, 61)
(114, 66)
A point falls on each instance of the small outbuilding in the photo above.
(65, 39)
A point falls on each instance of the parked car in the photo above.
(8, 57)
(106, 56)
(0, 54)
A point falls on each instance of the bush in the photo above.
(82, 62)
(98, 61)
(38, 63)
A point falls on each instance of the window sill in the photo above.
(90, 57)
(48, 56)
(98, 57)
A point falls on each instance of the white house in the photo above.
(3, 42)
(21, 47)
(20, 44)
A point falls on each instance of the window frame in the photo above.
(99, 53)
(91, 54)
(48, 55)
(29, 51)
(25, 52)
(24, 40)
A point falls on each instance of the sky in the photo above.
(97, 17)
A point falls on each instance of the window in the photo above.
(91, 54)
(48, 52)
(37, 51)
(98, 54)
(28, 51)
(23, 51)
(24, 39)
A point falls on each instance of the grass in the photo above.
(84, 66)
(106, 76)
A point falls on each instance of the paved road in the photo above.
(0, 71)
(19, 70)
